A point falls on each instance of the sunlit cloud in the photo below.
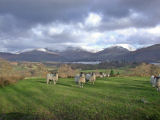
(93, 19)
(84, 23)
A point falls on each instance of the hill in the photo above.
(110, 53)
(68, 55)
(148, 54)
(116, 53)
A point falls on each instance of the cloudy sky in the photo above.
(90, 24)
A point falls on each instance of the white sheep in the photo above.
(153, 81)
(88, 76)
(104, 74)
(52, 77)
(108, 75)
(91, 78)
(101, 76)
(80, 79)
(157, 85)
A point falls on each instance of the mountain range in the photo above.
(115, 53)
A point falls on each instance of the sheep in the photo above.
(157, 83)
(80, 79)
(52, 77)
(98, 74)
(101, 75)
(153, 81)
(91, 78)
(104, 74)
(108, 75)
(88, 76)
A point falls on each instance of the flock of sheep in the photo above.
(155, 81)
(80, 79)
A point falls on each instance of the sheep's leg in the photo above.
(79, 84)
(93, 82)
(158, 89)
(153, 85)
(47, 81)
(54, 82)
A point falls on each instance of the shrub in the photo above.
(112, 73)
(66, 71)
(6, 80)
(146, 70)
(118, 74)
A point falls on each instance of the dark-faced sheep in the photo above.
(80, 79)
(157, 83)
(52, 77)
(104, 74)
(153, 81)
(91, 78)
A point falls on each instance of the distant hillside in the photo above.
(76, 54)
(6, 56)
(110, 53)
(116, 53)
(148, 54)
(32, 56)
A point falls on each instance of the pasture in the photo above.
(115, 98)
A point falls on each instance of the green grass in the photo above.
(121, 71)
(110, 98)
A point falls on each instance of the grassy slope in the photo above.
(121, 71)
(111, 98)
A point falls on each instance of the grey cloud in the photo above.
(45, 10)
(143, 40)
(71, 10)
(18, 17)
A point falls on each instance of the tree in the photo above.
(112, 73)
(118, 73)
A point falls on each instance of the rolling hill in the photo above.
(116, 53)
(147, 54)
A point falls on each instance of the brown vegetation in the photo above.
(146, 70)
(66, 71)
(29, 69)
(6, 80)
(11, 72)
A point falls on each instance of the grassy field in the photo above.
(119, 98)
(121, 71)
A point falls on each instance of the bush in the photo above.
(65, 71)
(118, 74)
(112, 73)
(146, 70)
(6, 80)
